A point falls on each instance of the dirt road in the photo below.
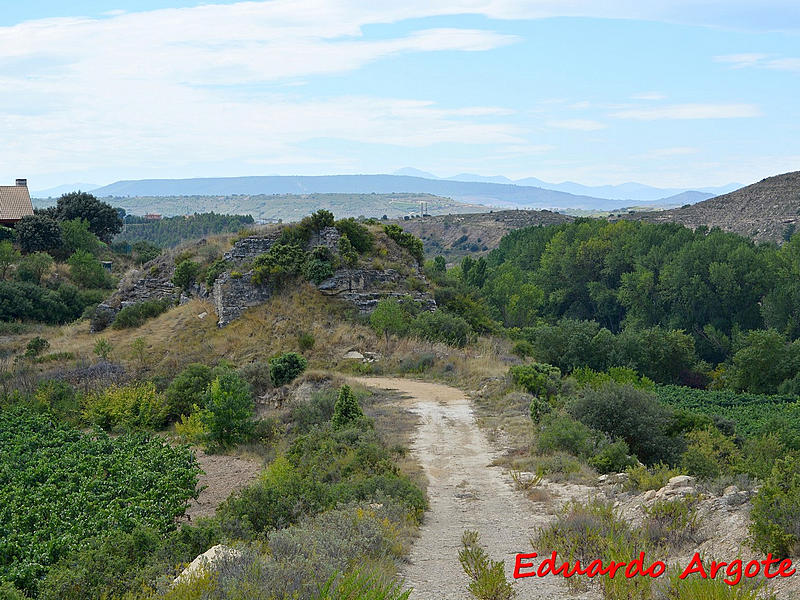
(465, 493)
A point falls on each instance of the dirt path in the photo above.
(465, 493)
(222, 476)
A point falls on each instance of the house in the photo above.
(15, 202)
(153, 217)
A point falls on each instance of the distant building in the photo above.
(153, 217)
(15, 202)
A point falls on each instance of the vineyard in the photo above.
(60, 486)
(752, 413)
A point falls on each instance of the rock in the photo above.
(248, 248)
(649, 495)
(354, 355)
(681, 481)
(233, 295)
(207, 561)
(731, 489)
(202, 315)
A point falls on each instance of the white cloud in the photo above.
(689, 111)
(763, 61)
(576, 124)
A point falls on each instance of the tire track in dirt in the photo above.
(464, 493)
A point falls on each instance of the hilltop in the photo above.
(766, 211)
(492, 194)
(455, 236)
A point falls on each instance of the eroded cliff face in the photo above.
(234, 292)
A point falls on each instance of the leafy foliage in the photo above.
(104, 221)
(286, 367)
(135, 315)
(346, 411)
(172, 231)
(539, 379)
(185, 274)
(38, 233)
(406, 240)
(86, 271)
(775, 516)
(59, 487)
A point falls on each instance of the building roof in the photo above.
(15, 202)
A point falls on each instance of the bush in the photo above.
(612, 458)
(36, 346)
(562, 432)
(34, 267)
(487, 577)
(76, 236)
(257, 375)
(643, 479)
(634, 415)
(538, 408)
(389, 318)
(671, 523)
(406, 240)
(710, 454)
(217, 268)
(187, 389)
(286, 368)
(185, 274)
(621, 375)
(134, 407)
(440, 326)
(60, 399)
(305, 341)
(359, 236)
(38, 233)
(230, 407)
(86, 271)
(541, 380)
(135, 315)
(775, 517)
(346, 411)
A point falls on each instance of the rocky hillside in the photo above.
(767, 210)
(455, 236)
(386, 271)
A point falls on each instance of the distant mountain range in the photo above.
(489, 193)
(624, 191)
(56, 192)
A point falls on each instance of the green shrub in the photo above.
(135, 315)
(631, 414)
(257, 375)
(36, 346)
(621, 375)
(562, 432)
(186, 274)
(672, 523)
(359, 236)
(390, 317)
(305, 341)
(363, 586)
(102, 348)
(655, 477)
(230, 407)
(523, 349)
(710, 454)
(406, 240)
(187, 389)
(279, 264)
(86, 271)
(59, 398)
(217, 268)
(539, 379)
(775, 517)
(487, 577)
(441, 326)
(317, 410)
(346, 251)
(286, 368)
(133, 407)
(346, 411)
(35, 266)
(613, 457)
(759, 454)
(538, 408)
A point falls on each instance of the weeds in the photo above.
(487, 577)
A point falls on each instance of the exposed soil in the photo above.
(223, 476)
(465, 492)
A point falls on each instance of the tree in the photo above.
(9, 256)
(389, 318)
(346, 410)
(764, 361)
(286, 368)
(358, 234)
(229, 403)
(145, 251)
(439, 264)
(187, 389)
(86, 271)
(321, 219)
(104, 220)
(34, 267)
(103, 348)
(38, 233)
(346, 252)
(185, 274)
(76, 236)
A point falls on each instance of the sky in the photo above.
(670, 93)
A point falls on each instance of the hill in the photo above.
(493, 194)
(765, 211)
(293, 207)
(455, 236)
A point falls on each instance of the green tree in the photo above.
(347, 252)
(188, 389)
(38, 233)
(86, 271)
(104, 220)
(144, 251)
(103, 348)
(346, 410)
(440, 326)
(185, 274)
(389, 318)
(229, 403)
(9, 256)
(541, 380)
(359, 236)
(76, 236)
(34, 267)
(775, 517)
(764, 361)
(439, 264)
(286, 368)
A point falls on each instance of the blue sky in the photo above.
(669, 93)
